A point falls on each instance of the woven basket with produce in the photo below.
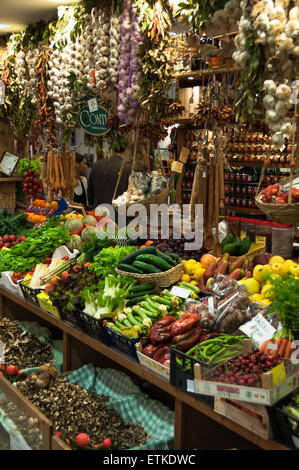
(150, 265)
(280, 202)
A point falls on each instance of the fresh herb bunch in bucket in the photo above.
(284, 295)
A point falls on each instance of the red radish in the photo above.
(12, 238)
(12, 370)
(7, 245)
(58, 434)
(82, 440)
(107, 443)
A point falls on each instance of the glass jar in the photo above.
(282, 240)
(265, 234)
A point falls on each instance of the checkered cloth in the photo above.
(130, 403)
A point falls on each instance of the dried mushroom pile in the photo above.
(73, 410)
(21, 348)
(31, 434)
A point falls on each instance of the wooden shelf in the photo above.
(243, 210)
(202, 73)
(181, 397)
(257, 164)
(11, 180)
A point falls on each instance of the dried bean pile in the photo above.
(32, 435)
(23, 349)
(74, 410)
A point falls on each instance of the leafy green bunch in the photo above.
(107, 259)
(284, 295)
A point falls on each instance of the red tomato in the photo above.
(82, 440)
(58, 434)
(107, 443)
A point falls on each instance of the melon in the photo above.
(86, 233)
(90, 221)
(75, 242)
(73, 225)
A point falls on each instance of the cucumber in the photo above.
(149, 250)
(128, 268)
(142, 287)
(146, 268)
(135, 295)
(135, 301)
(174, 256)
(155, 260)
(166, 258)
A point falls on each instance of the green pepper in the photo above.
(244, 246)
(227, 240)
(232, 248)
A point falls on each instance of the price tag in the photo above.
(243, 235)
(258, 329)
(17, 442)
(184, 155)
(260, 240)
(190, 386)
(93, 105)
(130, 332)
(272, 346)
(177, 167)
(180, 292)
(211, 305)
(279, 374)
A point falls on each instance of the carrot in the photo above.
(277, 342)
(263, 347)
(288, 350)
(282, 347)
(149, 242)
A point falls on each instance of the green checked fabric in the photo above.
(131, 404)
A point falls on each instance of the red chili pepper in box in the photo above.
(150, 349)
(161, 330)
(187, 340)
(185, 323)
(162, 353)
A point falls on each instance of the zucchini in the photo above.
(162, 300)
(166, 258)
(142, 287)
(146, 268)
(155, 260)
(149, 250)
(143, 314)
(128, 268)
(135, 301)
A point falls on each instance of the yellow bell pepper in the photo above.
(198, 273)
(185, 277)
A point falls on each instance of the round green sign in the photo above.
(95, 122)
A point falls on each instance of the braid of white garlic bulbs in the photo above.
(115, 40)
(241, 55)
(227, 17)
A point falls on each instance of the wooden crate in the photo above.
(59, 444)
(149, 363)
(29, 410)
(251, 416)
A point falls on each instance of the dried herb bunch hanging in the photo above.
(199, 12)
(45, 125)
(17, 108)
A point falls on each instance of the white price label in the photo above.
(272, 346)
(17, 442)
(180, 292)
(211, 305)
(258, 329)
(93, 105)
(190, 386)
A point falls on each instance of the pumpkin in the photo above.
(75, 242)
(86, 233)
(73, 225)
(90, 221)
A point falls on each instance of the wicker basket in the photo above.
(158, 198)
(164, 279)
(280, 213)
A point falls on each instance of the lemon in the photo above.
(194, 283)
(185, 278)
(279, 268)
(257, 298)
(265, 292)
(266, 301)
(290, 263)
(189, 266)
(295, 269)
(259, 271)
(276, 260)
(252, 285)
